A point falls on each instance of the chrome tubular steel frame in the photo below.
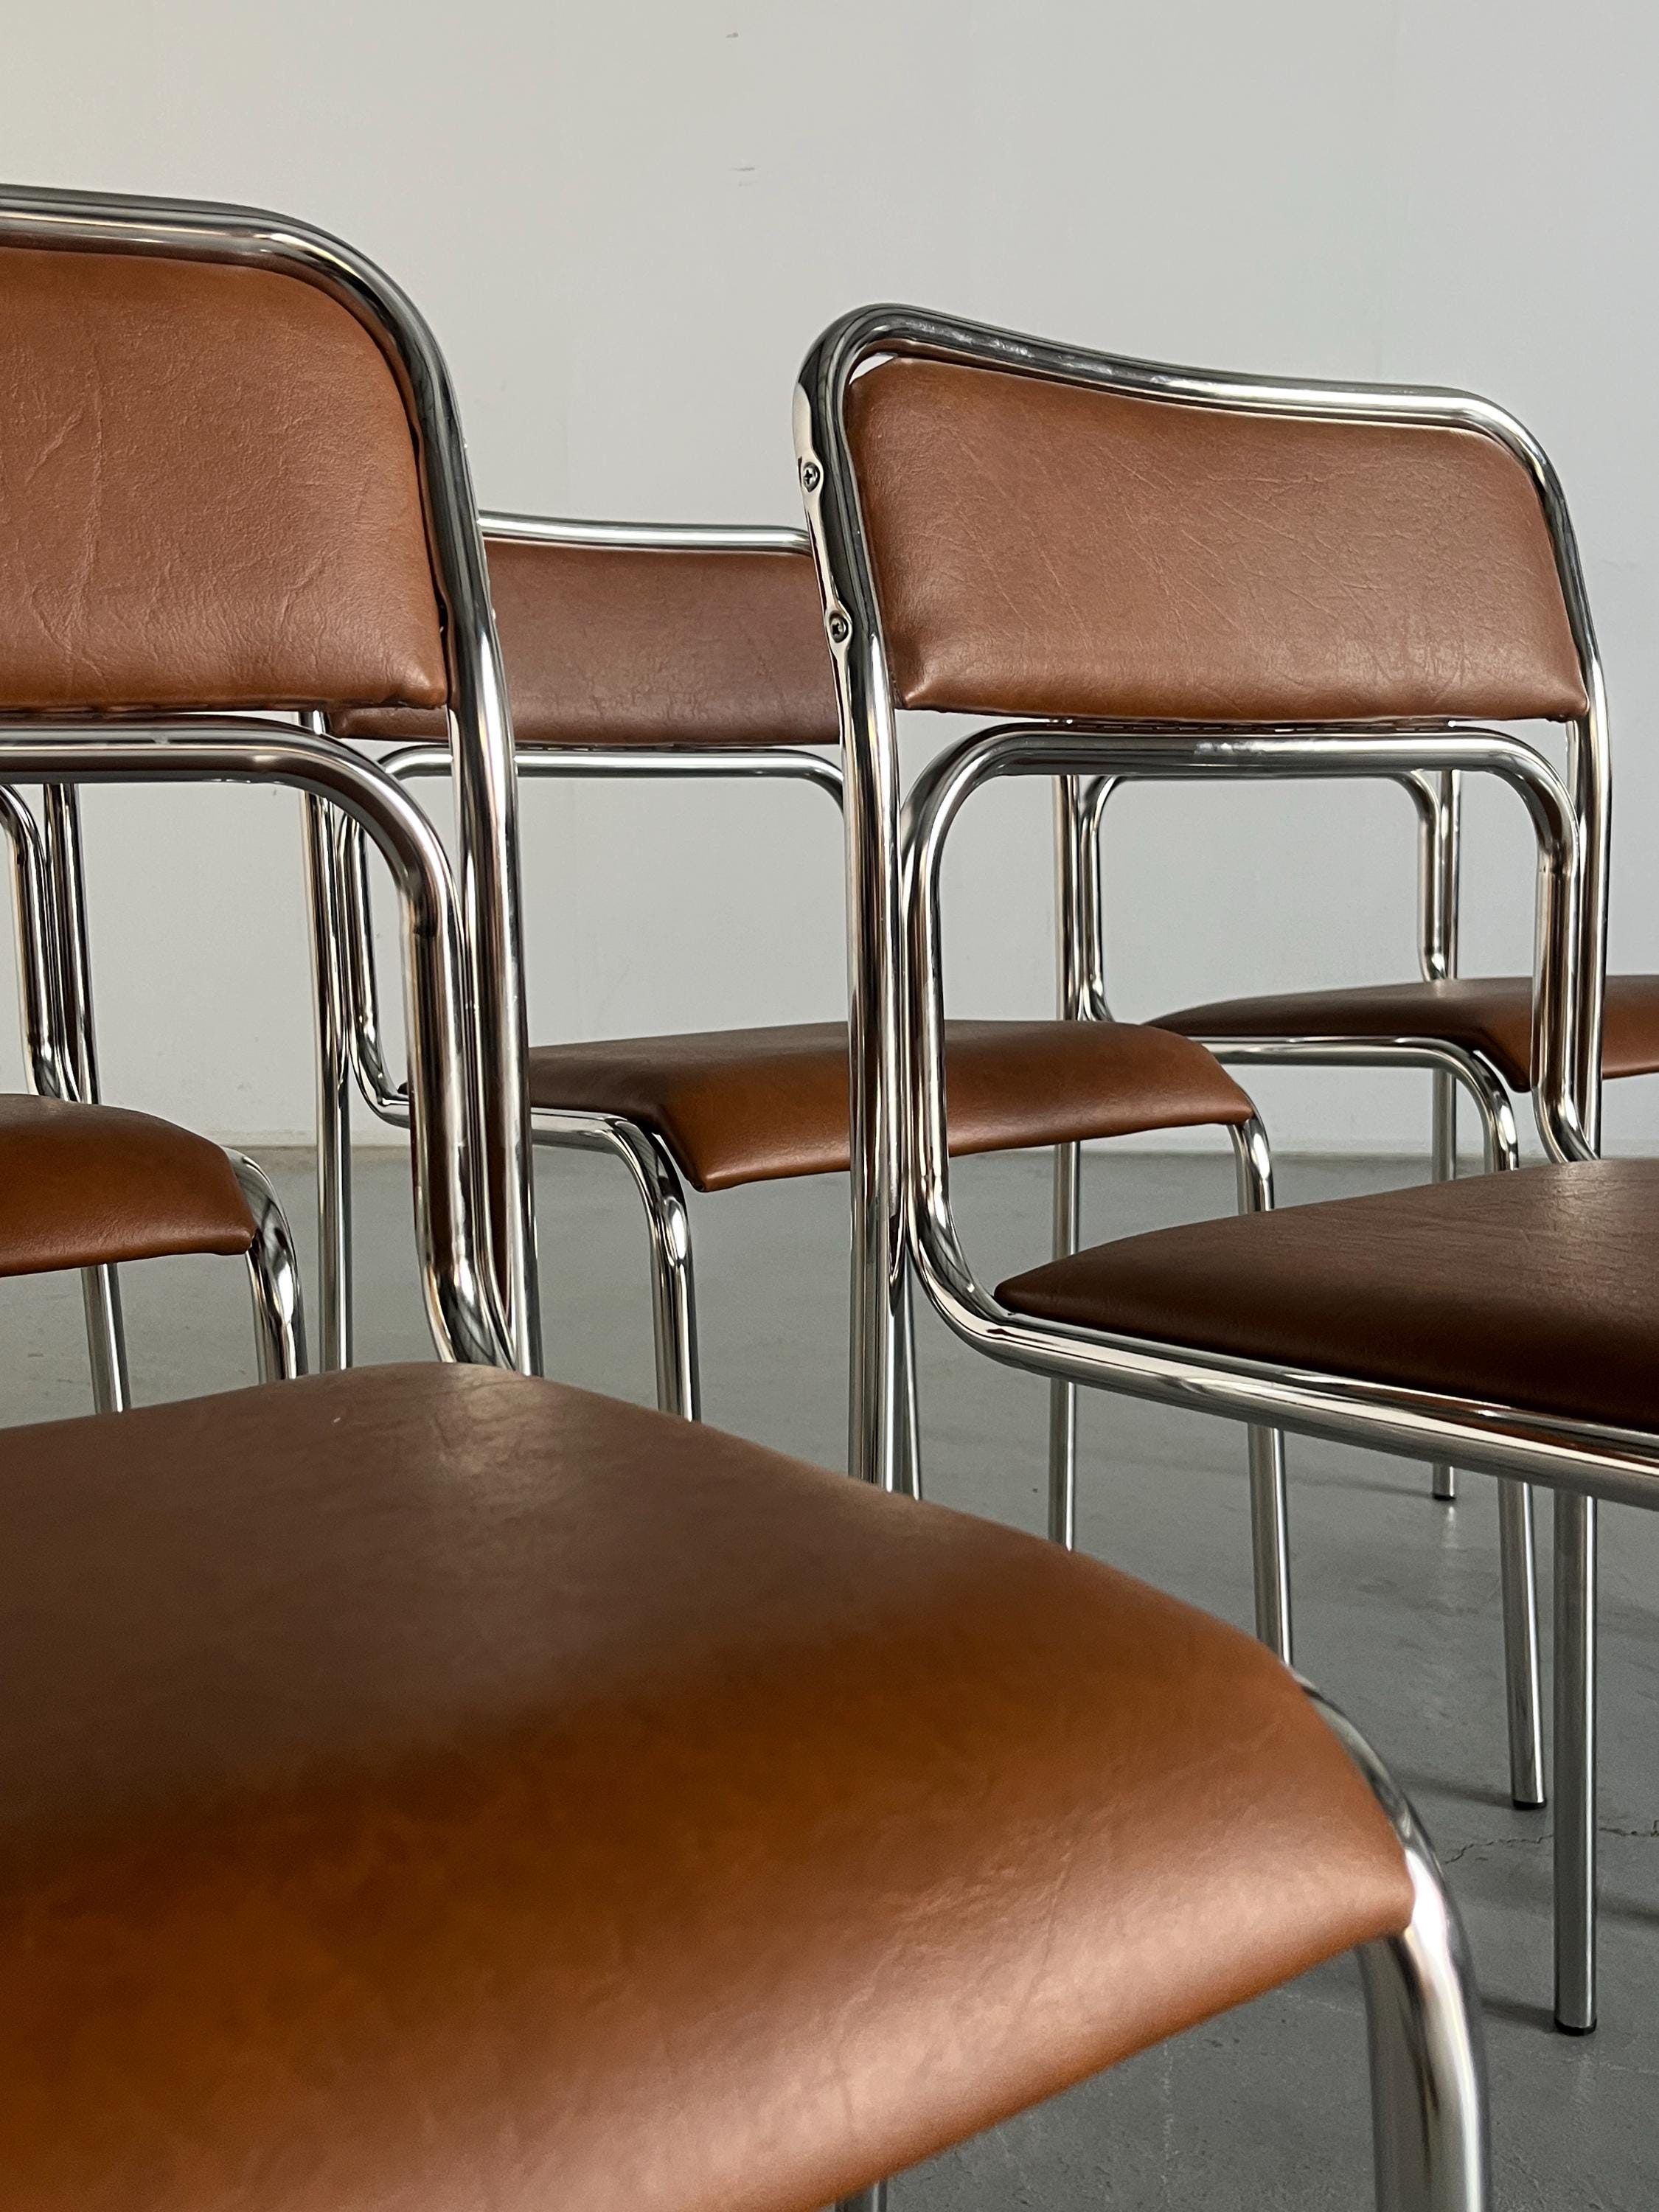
(479, 725)
(462, 1302)
(274, 1267)
(1429, 2115)
(899, 1184)
(1437, 799)
(49, 1041)
(107, 1345)
(655, 1174)
(1078, 929)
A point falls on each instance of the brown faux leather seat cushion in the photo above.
(1489, 1014)
(624, 645)
(208, 494)
(1046, 548)
(85, 1186)
(426, 1787)
(1537, 1290)
(737, 1106)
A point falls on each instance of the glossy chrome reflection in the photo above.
(900, 1185)
(480, 728)
(279, 1325)
(48, 1063)
(333, 1073)
(462, 1305)
(673, 1294)
(1270, 1535)
(100, 1289)
(1430, 2114)
(655, 1176)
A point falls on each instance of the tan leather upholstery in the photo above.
(1043, 549)
(618, 646)
(737, 1106)
(87, 1186)
(426, 1788)
(1536, 1290)
(208, 494)
(1489, 1014)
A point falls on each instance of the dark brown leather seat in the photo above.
(1489, 1014)
(640, 645)
(738, 1106)
(90, 1186)
(1535, 1290)
(425, 1786)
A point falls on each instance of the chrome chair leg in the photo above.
(279, 1324)
(101, 1292)
(1062, 1397)
(1575, 1761)
(106, 1339)
(1443, 1478)
(873, 2199)
(1270, 1547)
(334, 1283)
(904, 1358)
(1517, 1549)
(673, 1284)
(1430, 2118)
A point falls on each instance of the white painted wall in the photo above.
(627, 221)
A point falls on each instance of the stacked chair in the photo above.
(1151, 570)
(87, 1187)
(433, 1784)
(655, 652)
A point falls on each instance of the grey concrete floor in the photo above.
(1397, 1617)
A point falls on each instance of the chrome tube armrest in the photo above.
(451, 1210)
(1048, 750)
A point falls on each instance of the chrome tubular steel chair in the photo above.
(636, 650)
(231, 474)
(433, 1787)
(1130, 555)
(87, 1187)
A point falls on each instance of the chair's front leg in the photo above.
(274, 1271)
(1270, 1543)
(1430, 2117)
(334, 1250)
(1062, 1397)
(1575, 1761)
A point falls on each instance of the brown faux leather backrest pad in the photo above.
(208, 494)
(1045, 549)
(619, 645)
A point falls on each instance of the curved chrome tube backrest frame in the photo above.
(878, 1015)
(647, 763)
(480, 725)
(452, 1205)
